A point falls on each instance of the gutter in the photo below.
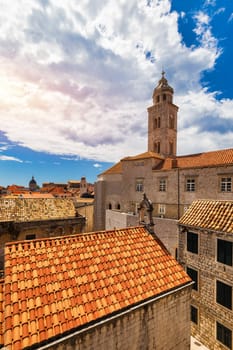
(74, 334)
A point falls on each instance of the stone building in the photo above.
(30, 218)
(206, 252)
(104, 290)
(171, 182)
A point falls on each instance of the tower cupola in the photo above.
(163, 91)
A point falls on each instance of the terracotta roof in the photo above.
(56, 285)
(115, 169)
(214, 215)
(145, 155)
(214, 158)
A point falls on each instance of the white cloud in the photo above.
(8, 158)
(81, 74)
(97, 165)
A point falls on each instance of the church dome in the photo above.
(32, 184)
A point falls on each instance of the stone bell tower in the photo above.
(162, 121)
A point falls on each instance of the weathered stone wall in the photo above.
(117, 219)
(153, 326)
(209, 270)
(28, 209)
(87, 211)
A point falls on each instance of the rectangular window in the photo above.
(162, 209)
(32, 236)
(194, 314)
(162, 185)
(224, 335)
(194, 275)
(226, 184)
(139, 185)
(224, 294)
(190, 185)
(192, 242)
(224, 252)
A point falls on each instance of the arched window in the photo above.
(157, 99)
(171, 147)
(171, 122)
(157, 147)
(164, 97)
(118, 206)
(155, 123)
(158, 122)
(110, 206)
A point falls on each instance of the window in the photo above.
(192, 242)
(190, 185)
(224, 252)
(139, 185)
(226, 184)
(157, 147)
(110, 206)
(171, 122)
(162, 185)
(224, 294)
(224, 335)
(164, 97)
(171, 147)
(194, 314)
(194, 275)
(162, 209)
(32, 236)
(118, 206)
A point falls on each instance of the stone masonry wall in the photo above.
(153, 326)
(25, 209)
(209, 270)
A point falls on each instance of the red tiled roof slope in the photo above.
(115, 169)
(214, 158)
(214, 215)
(145, 155)
(55, 285)
(1, 311)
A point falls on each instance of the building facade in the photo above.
(171, 182)
(206, 253)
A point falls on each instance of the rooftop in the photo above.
(57, 285)
(214, 215)
(205, 159)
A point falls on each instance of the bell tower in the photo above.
(162, 120)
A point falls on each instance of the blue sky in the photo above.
(76, 78)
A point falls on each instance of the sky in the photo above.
(77, 77)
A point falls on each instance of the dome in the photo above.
(32, 184)
(163, 85)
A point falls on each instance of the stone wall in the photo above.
(27, 209)
(209, 270)
(152, 326)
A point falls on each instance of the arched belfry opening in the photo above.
(162, 120)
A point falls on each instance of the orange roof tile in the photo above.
(205, 159)
(115, 169)
(55, 285)
(214, 158)
(214, 215)
(144, 155)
